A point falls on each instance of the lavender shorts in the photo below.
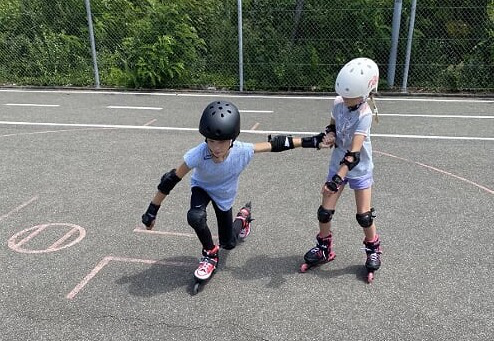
(363, 182)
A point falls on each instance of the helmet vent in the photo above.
(214, 112)
(222, 115)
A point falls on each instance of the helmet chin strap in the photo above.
(357, 106)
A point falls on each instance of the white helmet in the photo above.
(357, 78)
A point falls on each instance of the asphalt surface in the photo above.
(75, 264)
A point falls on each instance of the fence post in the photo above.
(93, 45)
(395, 35)
(409, 46)
(240, 47)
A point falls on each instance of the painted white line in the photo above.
(435, 137)
(258, 111)
(108, 259)
(438, 116)
(18, 208)
(488, 190)
(31, 105)
(54, 131)
(258, 132)
(221, 95)
(133, 108)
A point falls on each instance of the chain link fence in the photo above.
(288, 45)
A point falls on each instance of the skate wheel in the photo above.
(370, 277)
(304, 267)
(195, 288)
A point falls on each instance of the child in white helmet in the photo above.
(351, 161)
(217, 164)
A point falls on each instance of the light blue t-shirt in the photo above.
(219, 180)
(349, 123)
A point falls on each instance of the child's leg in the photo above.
(326, 210)
(228, 240)
(197, 217)
(365, 214)
(322, 252)
(365, 217)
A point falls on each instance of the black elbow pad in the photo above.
(168, 181)
(351, 164)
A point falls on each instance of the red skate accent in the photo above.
(244, 216)
(207, 264)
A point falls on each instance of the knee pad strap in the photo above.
(324, 215)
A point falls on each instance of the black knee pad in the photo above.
(324, 215)
(366, 219)
(196, 218)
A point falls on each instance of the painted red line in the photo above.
(31, 235)
(150, 122)
(167, 233)
(63, 239)
(18, 208)
(86, 279)
(255, 126)
(488, 190)
(107, 260)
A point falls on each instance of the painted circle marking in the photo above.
(17, 241)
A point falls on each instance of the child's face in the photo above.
(219, 148)
(352, 102)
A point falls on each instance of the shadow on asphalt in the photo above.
(161, 278)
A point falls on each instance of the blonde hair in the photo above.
(373, 106)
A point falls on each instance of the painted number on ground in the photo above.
(65, 234)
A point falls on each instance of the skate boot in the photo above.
(245, 216)
(206, 268)
(208, 263)
(319, 254)
(373, 262)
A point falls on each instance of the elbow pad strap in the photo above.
(168, 181)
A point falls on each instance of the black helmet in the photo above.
(220, 121)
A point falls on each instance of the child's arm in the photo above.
(280, 143)
(277, 144)
(349, 161)
(167, 183)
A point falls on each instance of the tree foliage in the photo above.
(287, 44)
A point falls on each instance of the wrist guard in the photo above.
(331, 129)
(150, 215)
(280, 143)
(313, 141)
(168, 181)
(335, 183)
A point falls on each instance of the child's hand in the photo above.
(148, 221)
(149, 218)
(327, 141)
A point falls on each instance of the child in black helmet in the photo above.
(217, 165)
